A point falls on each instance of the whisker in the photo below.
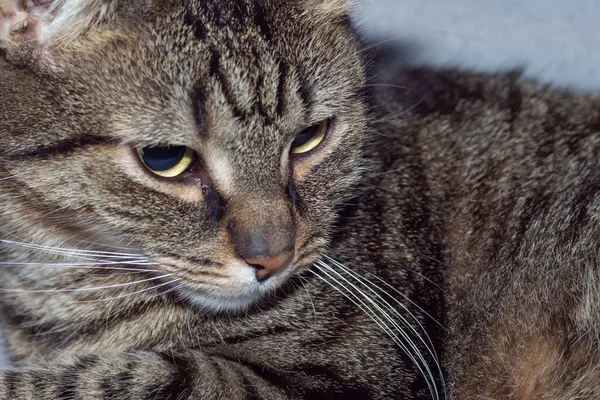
(100, 266)
(404, 345)
(12, 176)
(366, 282)
(302, 280)
(389, 85)
(137, 292)
(392, 288)
(118, 285)
(380, 43)
(104, 254)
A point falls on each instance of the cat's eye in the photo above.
(310, 138)
(166, 161)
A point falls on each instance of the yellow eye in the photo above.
(166, 161)
(310, 138)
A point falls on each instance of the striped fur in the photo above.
(119, 285)
(476, 211)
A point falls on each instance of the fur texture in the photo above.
(511, 170)
(117, 284)
(476, 211)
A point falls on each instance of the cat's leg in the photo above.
(143, 375)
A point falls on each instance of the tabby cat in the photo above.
(207, 200)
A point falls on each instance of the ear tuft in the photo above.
(49, 22)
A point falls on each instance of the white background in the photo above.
(554, 41)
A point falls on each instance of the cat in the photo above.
(171, 172)
(210, 200)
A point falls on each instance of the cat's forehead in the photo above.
(247, 64)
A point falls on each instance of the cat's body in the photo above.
(476, 205)
(512, 170)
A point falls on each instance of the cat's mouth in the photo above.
(236, 288)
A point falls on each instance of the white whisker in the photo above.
(99, 266)
(393, 288)
(137, 292)
(407, 345)
(118, 285)
(367, 283)
(12, 176)
(59, 250)
(302, 280)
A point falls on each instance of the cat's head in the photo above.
(217, 137)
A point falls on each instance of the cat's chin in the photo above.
(238, 300)
(220, 304)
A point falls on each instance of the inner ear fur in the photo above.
(49, 22)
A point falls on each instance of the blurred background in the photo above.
(556, 42)
(553, 41)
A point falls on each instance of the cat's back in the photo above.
(512, 170)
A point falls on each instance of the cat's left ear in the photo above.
(45, 23)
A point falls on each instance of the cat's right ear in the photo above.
(44, 24)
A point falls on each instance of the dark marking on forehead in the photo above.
(260, 19)
(305, 93)
(198, 104)
(193, 22)
(215, 72)
(281, 98)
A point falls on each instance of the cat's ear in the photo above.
(48, 22)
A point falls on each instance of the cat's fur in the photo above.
(236, 81)
(512, 170)
(478, 204)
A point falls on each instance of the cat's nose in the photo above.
(266, 267)
(266, 246)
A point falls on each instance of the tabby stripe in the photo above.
(27, 323)
(33, 328)
(63, 147)
(198, 101)
(259, 106)
(294, 197)
(116, 387)
(182, 379)
(215, 207)
(251, 390)
(305, 93)
(281, 98)
(261, 21)
(11, 381)
(67, 382)
(194, 23)
(270, 375)
(215, 71)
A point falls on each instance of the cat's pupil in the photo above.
(162, 158)
(305, 136)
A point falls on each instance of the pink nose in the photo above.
(268, 266)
